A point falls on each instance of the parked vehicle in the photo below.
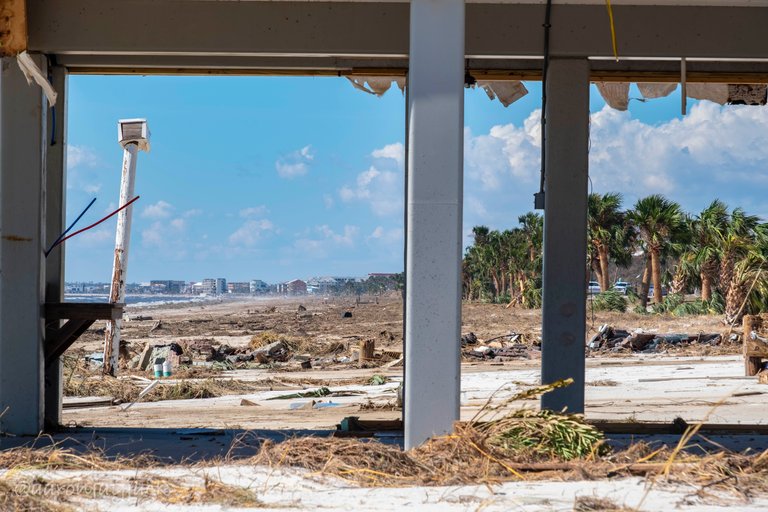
(621, 286)
(593, 288)
(663, 291)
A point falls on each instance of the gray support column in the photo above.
(22, 162)
(565, 232)
(434, 221)
(55, 215)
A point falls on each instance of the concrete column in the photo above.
(565, 232)
(434, 221)
(23, 113)
(55, 216)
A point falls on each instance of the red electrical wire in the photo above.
(126, 205)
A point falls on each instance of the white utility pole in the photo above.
(133, 135)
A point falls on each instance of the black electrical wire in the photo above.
(545, 68)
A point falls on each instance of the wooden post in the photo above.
(752, 364)
(367, 348)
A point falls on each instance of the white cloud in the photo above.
(95, 237)
(81, 156)
(394, 151)
(159, 210)
(712, 152)
(82, 172)
(382, 190)
(194, 212)
(328, 201)
(506, 151)
(327, 241)
(387, 236)
(254, 211)
(251, 232)
(296, 163)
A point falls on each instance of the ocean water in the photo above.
(137, 300)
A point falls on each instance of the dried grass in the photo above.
(55, 456)
(123, 390)
(294, 344)
(595, 504)
(17, 498)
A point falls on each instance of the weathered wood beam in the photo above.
(13, 27)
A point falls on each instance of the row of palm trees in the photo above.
(721, 251)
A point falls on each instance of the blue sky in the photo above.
(278, 178)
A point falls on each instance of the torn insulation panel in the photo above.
(506, 91)
(615, 94)
(651, 91)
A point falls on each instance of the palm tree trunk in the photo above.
(737, 293)
(646, 282)
(602, 252)
(706, 286)
(727, 271)
(656, 274)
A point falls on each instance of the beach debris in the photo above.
(302, 308)
(619, 340)
(367, 349)
(137, 318)
(468, 339)
(316, 393)
(346, 314)
(276, 351)
(142, 394)
(377, 380)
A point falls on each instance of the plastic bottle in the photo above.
(167, 368)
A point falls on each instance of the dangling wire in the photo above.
(547, 25)
(613, 29)
(56, 242)
(126, 205)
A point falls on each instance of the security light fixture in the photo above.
(133, 131)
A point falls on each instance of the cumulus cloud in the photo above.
(251, 232)
(159, 210)
(194, 212)
(326, 240)
(381, 186)
(394, 151)
(95, 237)
(254, 211)
(81, 156)
(296, 163)
(82, 172)
(692, 160)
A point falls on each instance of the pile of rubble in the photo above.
(209, 353)
(609, 339)
(501, 348)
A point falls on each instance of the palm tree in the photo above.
(708, 230)
(607, 233)
(736, 241)
(744, 267)
(700, 258)
(659, 223)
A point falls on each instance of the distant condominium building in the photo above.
(257, 286)
(295, 287)
(239, 288)
(165, 286)
(217, 286)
